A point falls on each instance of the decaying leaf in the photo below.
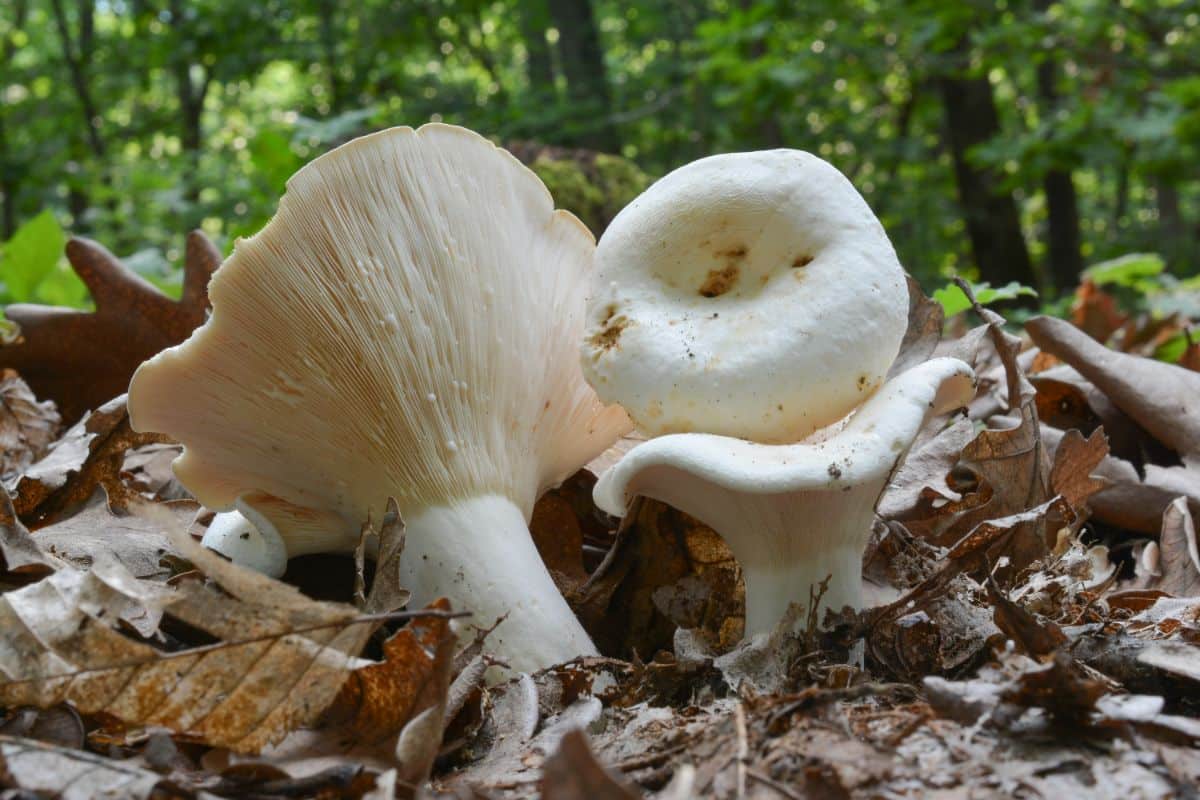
(386, 592)
(140, 544)
(81, 360)
(27, 427)
(378, 700)
(89, 455)
(45, 770)
(925, 320)
(20, 552)
(279, 660)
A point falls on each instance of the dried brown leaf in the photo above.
(20, 553)
(573, 773)
(386, 592)
(925, 320)
(279, 660)
(1176, 553)
(1159, 397)
(1075, 461)
(45, 770)
(81, 360)
(378, 700)
(1032, 636)
(27, 427)
(89, 455)
(139, 543)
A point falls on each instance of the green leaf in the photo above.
(30, 256)
(1130, 271)
(954, 300)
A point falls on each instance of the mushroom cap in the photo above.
(761, 283)
(405, 325)
(691, 470)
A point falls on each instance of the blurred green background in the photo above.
(1004, 140)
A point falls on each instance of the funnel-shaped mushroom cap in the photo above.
(405, 325)
(747, 278)
(792, 514)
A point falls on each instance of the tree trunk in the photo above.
(9, 166)
(587, 79)
(770, 135)
(1062, 205)
(329, 34)
(1173, 233)
(539, 69)
(993, 222)
(78, 55)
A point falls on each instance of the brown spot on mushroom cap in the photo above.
(719, 281)
(608, 336)
(801, 261)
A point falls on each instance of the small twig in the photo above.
(908, 728)
(774, 784)
(743, 749)
(653, 759)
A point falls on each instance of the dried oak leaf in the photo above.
(89, 455)
(657, 547)
(138, 543)
(80, 359)
(1159, 397)
(573, 773)
(27, 427)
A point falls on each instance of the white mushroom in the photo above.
(792, 515)
(755, 295)
(750, 294)
(406, 325)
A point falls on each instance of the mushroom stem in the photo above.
(792, 514)
(478, 552)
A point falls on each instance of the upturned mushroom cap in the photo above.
(405, 325)
(729, 295)
(792, 514)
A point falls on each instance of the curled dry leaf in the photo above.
(1176, 567)
(89, 455)
(20, 552)
(1159, 397)
(378, 700)
(81, 360)
(27, 427)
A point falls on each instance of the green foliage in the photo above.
(954, 300)
(193, 114)
(33, 269)
(593, 189)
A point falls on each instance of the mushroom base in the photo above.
(479, 554)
